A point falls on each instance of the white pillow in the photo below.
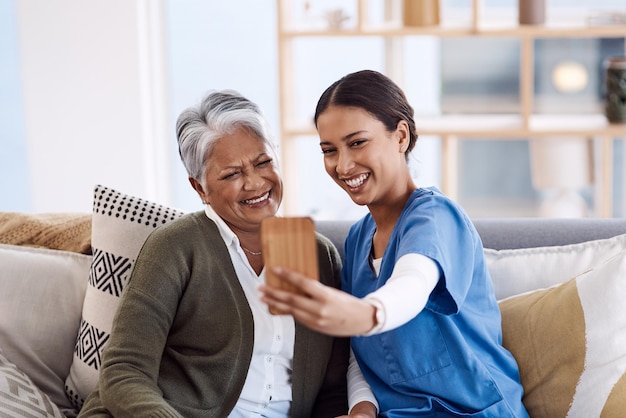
(120, 224)
(19, 397)
(522, 270)
(40, 304)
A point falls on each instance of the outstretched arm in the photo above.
(319, 307)
(334, 312)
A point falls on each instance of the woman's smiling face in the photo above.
(360, 155)
(241, 181)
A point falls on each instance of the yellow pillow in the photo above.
(570, 343)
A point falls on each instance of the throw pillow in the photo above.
(120, 225)
(58, 231)
(570, 343)
(19, 397)
(40, 304)
(522, 270)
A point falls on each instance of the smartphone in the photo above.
(289, 242)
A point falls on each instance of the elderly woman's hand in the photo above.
(319, 307)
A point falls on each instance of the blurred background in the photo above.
(90, 91)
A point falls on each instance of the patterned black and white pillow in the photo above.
(120, 225)
(19, 397)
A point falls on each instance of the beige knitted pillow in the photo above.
(57, 231)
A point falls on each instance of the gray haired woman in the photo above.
(191, 337)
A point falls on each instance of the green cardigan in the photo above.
(182, 339)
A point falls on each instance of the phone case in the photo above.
(289, 242)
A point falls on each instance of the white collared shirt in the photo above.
(267, 389)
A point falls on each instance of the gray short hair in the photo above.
(217, 115)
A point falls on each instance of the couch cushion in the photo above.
(522, 270)
(20, 397)
(120, 225)
(40, 304)
(570, 343)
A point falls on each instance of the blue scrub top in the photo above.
(448, 361)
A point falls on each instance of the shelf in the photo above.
(450, 31)
(576, 125)
(512, 127)
(523, 120)
(498, 126)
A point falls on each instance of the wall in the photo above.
(14, 176)
(82, 90)
(91, 91)
(219, 45)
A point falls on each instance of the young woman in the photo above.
(418, 299)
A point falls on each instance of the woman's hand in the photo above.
(319, 307)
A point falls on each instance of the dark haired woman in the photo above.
(418, 300)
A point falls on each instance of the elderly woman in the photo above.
(191, 337)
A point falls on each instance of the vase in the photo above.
(532, 12)
(421, 12)
(615, 89)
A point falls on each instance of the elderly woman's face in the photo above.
(242, 182)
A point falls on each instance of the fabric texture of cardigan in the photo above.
(182, 339)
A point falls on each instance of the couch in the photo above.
(561, 285)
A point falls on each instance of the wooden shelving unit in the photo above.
(454, 128)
